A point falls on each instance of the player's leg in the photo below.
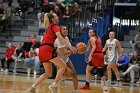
(71, 72)
(88, 69)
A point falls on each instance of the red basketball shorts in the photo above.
(98, 59)
(46, 53)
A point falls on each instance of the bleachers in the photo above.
(18, 34)
(28, 33)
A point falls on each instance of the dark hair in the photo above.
(63, 26)
(94, 31)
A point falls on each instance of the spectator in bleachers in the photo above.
(1, 13)
(66, 15)
(137, 42)
(134, 66)
(26, 46)
(58, 12)
(74, 9)
(137, 48)
(18, 55)
(61, 6)
(33, 39)
(4, 20)
(33, 59)
(46, 7)
(1, 9)
(137, 37)
(41, 24)
(8, 57)
(10, 8)
(123, 62)
(132, 42)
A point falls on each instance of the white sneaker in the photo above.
(14, 71)
(108, 83)
(105, 88)
(53, 88)
(35, 72)
(75, 91)
(28, 72)
(2, 70)
(118, 84)
(6, 71)
(138, 82)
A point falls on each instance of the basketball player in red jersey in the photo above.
(48, 56)
(95, 60)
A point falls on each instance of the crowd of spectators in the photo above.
(26, 53)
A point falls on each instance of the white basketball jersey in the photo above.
(112, 52)
(58, 44)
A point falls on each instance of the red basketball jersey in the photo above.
(97, 56)
(50, 36)
(98, 43)
(46, 52)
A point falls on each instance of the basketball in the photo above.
(81, 48)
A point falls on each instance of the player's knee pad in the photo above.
(101, 72)
(94, 71)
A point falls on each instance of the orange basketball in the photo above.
(81, 48)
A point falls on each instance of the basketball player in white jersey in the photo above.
(113, 53)
(64, 53)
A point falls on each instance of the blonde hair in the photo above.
(46, 21)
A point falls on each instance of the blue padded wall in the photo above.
(79, 60)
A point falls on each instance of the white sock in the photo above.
(75, 90)
(54, 84)
(102, 83)
(34, 85)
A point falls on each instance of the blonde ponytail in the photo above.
(46, 21)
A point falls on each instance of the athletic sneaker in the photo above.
(138, 82)
(118, 84)
(105, 88)
(31, 89)
(108, 83)
(2, 70)
(62, 83)
(53, 88)
(35, 72)
(86, 87)
(75, 91)
(6, 71)
(14, 71)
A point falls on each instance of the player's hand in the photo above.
(6, 59)
(73, 49)
(89, 58)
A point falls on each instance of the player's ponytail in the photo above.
(46, 21)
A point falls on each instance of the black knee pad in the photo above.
(101, 72)
(94, 71)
